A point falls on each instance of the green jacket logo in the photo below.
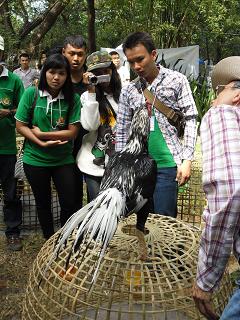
(5, 101)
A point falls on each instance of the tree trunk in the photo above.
(218, 51)
(91, 26)
(5, 17)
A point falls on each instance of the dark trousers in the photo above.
(64, 179)
(12, 208)
(79, 188)
(76, 147)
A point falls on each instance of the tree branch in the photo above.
(91, 26)
(30, 26)
(25, 14)
(48, 21)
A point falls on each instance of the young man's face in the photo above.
(116, 60)
(24, 62)
(141, 61)
(76, 56)
(227, 95)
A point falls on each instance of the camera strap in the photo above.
(172, 116)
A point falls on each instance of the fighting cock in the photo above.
(127, 184)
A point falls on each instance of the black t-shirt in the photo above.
(79, 88)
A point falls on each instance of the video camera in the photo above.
(94, 80)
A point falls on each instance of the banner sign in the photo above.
(183, 59)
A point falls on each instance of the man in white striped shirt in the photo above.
(172, 155)
(29, 76)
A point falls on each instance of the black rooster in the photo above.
(127, 184)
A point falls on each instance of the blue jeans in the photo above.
(166, 191)
(232, 310)
(93, 186)
(12, 208)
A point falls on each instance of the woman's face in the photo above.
(103, 71)
(56, 78)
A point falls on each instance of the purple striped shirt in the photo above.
(220, 137)
(172, 88)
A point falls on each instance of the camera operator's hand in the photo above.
(91, 88)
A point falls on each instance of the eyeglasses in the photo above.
(221, 87)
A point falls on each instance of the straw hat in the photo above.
(226, 71)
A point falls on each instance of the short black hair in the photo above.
(24, 54)
(57, 48)
(76, 41)
(136, 38)
(113, 53)
(58, 61)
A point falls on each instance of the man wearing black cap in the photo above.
(220, 136)
(11, 89)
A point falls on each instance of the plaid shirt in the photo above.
(172, 88)
(220, 134)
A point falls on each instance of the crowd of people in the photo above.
(82, 114)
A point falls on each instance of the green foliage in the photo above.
(203, 96)
(69, 23)
(212, 24)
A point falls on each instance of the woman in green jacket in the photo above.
(48, 148)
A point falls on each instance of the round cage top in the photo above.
(125, 287)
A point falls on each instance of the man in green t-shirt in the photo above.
(172, 154)
(11, 89)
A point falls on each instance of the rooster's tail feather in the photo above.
(96, 221)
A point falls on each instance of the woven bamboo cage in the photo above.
(191, 197)
(126, 288)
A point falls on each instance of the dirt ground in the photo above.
(14, 271)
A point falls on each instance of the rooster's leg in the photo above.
(142, 216)
(142, 246)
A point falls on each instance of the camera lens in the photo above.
(93, 80)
